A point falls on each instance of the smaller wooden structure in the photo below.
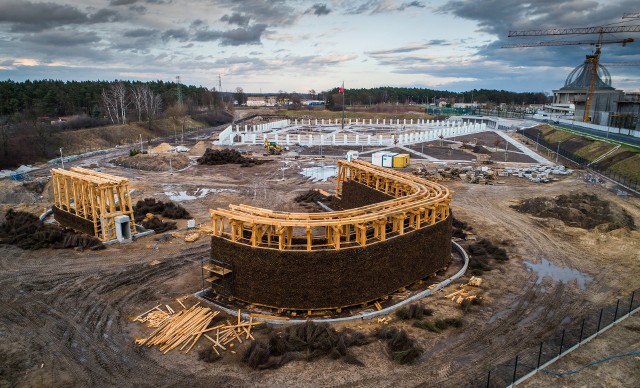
(88, 196)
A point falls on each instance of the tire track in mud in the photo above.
(79, 321)
(488, 346)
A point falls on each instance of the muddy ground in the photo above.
(66, 316)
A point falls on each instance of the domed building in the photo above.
(574, 92)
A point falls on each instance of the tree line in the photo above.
(53, 98)
(393, 95)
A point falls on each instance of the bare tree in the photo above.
(116, 101)
(137, 96)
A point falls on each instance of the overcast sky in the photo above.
(272, 45)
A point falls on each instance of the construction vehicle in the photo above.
(272, 147)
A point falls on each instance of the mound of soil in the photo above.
(311, 196)
(581, 210)
(307, 342)
(168, 210)
(153, 162)
(214, 157)
(162, 147)
(26, 231)
(158, 225)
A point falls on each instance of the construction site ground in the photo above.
(66, 315)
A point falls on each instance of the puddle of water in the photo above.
(562, 274)
(190, 195)
(320, 174)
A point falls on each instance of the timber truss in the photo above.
(93, 196)
(416, 204)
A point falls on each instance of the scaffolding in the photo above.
(99, 198)
(416, 204)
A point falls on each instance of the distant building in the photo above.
(609, 106)
(261, 101)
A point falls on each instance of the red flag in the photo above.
(341, 90)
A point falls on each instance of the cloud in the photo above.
(269, 12)
(65, 38)
(237, 37)
(530, 15)
(104, 16)
(236, 18)
(179, 34)
(318, 9)
(122, 2)
(140, 32)
(26, 16)
(380, 6)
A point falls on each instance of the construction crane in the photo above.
(592, 59)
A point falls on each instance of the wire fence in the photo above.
(578, 331)
(631, 182)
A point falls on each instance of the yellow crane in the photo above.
(592, 59)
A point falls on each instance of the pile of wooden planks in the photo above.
(228, 333)
(460, 296)
(182, 328)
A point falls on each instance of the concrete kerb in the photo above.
(357, 317)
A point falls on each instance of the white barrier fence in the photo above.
(411, 136)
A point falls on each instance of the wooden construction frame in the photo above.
(416, 204)
(94, 196)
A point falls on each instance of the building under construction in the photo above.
(392, 230)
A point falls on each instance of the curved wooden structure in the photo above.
(90, 201)
(415, 204)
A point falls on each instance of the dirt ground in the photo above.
(66, 316)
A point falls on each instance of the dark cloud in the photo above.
(237, 37)
(140, 9)
(541, 14)
(104, 16)
(64, 38)
(414, 4)
(26, 16)
(122, 2)
(179, 34)
(140, 32)
(237, 19)
(379, 6)
(197, 23)
(269, 12)
(129, 2)
(318, 10)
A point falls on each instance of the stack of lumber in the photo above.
(182, 328)
(460, 296)
(475, 281)
(227, 334)
(154, 317)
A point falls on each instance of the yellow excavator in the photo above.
(272, 147)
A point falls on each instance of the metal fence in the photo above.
(630, 182)
(533, 359)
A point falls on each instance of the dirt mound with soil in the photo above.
(165, 209)
(162, 147)
(214, 157)
(26, 231)
(581, 210)
(153, 162)
(200, 147)
(158, 225)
